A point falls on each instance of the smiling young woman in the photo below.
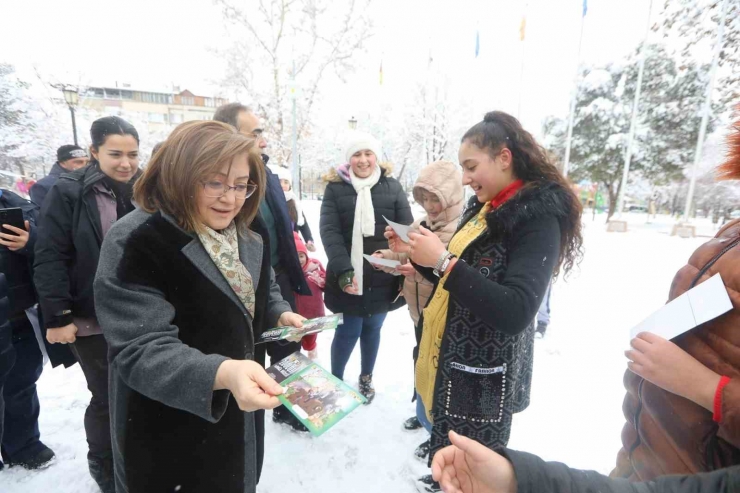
(358, 195)
(78, 212)
(182, 283)
(474, 364)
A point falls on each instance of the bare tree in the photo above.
(284, 44)
(426, 135)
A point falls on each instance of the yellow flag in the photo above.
(522, 28)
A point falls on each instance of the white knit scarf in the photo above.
(364, 220)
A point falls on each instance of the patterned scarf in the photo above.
(435, 315)
(224, 251)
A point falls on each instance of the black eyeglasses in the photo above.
(216, 189)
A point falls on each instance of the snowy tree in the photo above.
(11, 118)
(426, 134)
(693, 26)
(667, 129)
(21, 149)
(34, 124)
(289, 47)
(427, 128)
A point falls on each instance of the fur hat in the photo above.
(360, 141)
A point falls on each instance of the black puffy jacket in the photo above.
(16, 269)
(17, 265)
(68, 247)
(7, 354)
(337, 222)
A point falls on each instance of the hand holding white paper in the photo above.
(384, 262)
(401, 230)
(701, 304)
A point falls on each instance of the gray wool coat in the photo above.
(150, 269)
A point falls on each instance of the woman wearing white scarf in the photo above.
(364, 221)
(357, 197)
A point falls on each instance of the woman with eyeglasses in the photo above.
(182, 282)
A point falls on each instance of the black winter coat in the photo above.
(337, 221)
(495, 291)
(17, 266)
(17, 269)
(41, 188)
(68, 247)
(5, 329)
(170, 320)
(289, 262)
(305, 230)
(7, 353)
(536, 476)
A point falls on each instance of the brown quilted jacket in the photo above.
(668, 434)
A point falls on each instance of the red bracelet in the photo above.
(718, 398)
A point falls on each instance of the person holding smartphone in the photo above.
(21, 360)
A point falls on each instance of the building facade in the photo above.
(161, 110)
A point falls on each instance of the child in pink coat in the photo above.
(310, 306)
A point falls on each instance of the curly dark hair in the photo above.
(531, 164)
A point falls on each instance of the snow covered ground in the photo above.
(575, 415)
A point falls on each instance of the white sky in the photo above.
(153, 44)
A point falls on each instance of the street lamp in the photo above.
(72, 97)
(352, 123)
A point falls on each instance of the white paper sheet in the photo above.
(401, 230)
(705, 302)
(384, 262)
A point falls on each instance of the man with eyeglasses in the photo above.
(275, 220)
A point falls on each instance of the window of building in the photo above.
(188, 100)
(175, 118)
(157, 118)
(95, 92)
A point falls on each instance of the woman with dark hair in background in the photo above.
(77, 214)
(295, 210)
(476, 335)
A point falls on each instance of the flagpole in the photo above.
(521, 83)
(635, 112)
(707, 110)
(522, 38)
(294, 147)
(574, 96)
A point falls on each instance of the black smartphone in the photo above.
(14, 217)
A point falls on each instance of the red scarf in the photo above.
(506, 194)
